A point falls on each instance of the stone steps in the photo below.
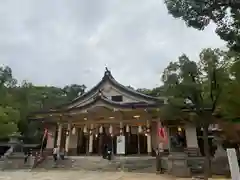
(99, 164)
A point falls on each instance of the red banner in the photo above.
(162, 134)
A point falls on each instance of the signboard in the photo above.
(120, 144)
(233, 163)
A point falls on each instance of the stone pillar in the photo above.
(59, 137)
(90, 149)
(191, 136)
(149, 139)
(68, 138)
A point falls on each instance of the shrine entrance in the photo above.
(82, 142)
(135, 142)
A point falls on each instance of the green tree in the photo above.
(9, 113)
(231, 100)
(194, 91)
(33, 98)
(199, 13)
(8, 121)
(144, 91)
(74, 90)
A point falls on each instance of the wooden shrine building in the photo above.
(99, 116)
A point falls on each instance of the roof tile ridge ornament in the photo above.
(107, 73)
(99, 95)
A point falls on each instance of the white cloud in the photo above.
(61, 42)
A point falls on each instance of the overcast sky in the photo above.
(59, 42)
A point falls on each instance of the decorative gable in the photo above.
(110, 88)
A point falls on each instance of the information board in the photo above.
(120, 144)
(233, 163)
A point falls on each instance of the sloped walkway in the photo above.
(78, 175)
(82, 175)
(127, 164)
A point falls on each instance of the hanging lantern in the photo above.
(67, 132)
(101, 130)
(85, 129)
(127, 129)
(139, 129)
(110, 129)
(148, 124)
(179, 129)
(148, 130)
(73, 130)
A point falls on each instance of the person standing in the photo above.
(26, 155)
(55, 154)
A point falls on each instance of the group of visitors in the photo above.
(58, 154)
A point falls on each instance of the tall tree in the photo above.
(195, 88)
(199, 13)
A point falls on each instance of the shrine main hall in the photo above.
(108, 111)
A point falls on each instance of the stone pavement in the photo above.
(78, 175)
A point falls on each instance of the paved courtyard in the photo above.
(78, 175)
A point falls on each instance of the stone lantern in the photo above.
(220, 160)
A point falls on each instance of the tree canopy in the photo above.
(18, 100)
(195, 90)
(200, 13)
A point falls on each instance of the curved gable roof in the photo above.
(109, 78)
(104, 100)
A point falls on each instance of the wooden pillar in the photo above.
(111, 135)
(127, 139)
(121, 128)
(85, 133)
(90, 149)
(59, 136)
(68, 138)
(149, 139)
(138, 135)
(100, 144)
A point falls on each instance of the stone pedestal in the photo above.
(16, 144)
(220, 152)
(14, 138)
(177, 164)
(220, 164)
(191, 136)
